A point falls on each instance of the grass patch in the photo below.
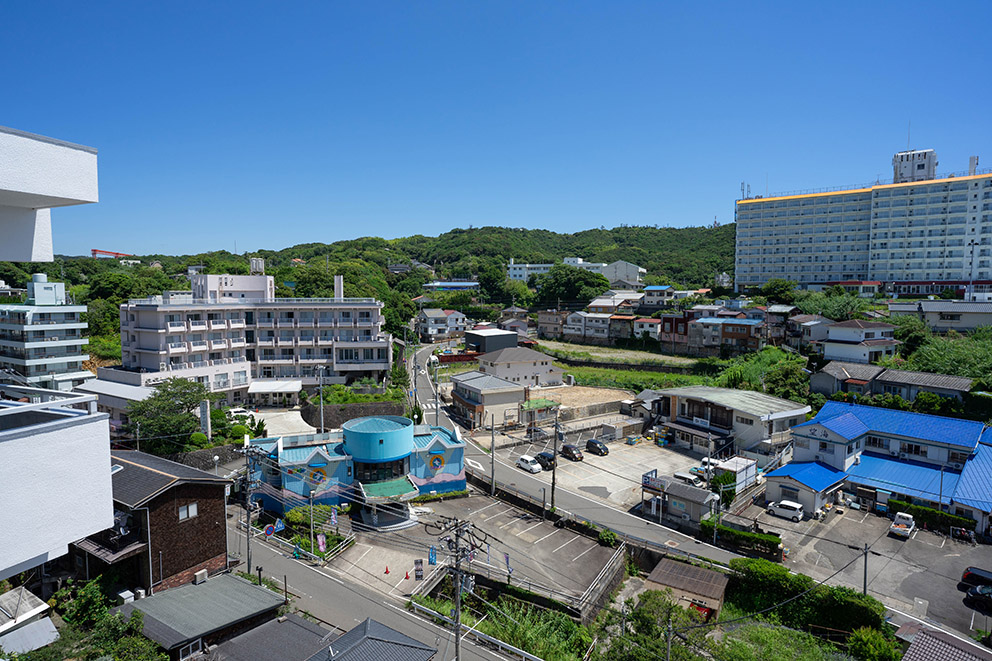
(428, 497)
(635, 380)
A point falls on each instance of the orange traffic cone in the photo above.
(387, 569)
(407, 576)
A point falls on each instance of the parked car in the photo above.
(572, 452)
(528, 463)
(903, 525)
(237, 413)
(980, 595)
(976, 576)
(787, 509)
(690, 479)
(596, 446)
(536, 434)
(546, 459)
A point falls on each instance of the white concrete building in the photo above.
(56, 486)
(39, 173)
(521, 365)
(914, 165)
(942, 316)
(858, 341)
(522, 272)
(42, 341)
(239, 345)
(908, 232)
(621, 271)
(432, 325)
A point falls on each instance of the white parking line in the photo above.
(481, 509)
(493, 516)
(865, 517)
(583, 553)
(546, 536)
(528, 529)
(565, 544)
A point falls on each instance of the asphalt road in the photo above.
(603, 515)
(341, 600)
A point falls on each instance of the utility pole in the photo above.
(137, 437)
(864, 584)
(320, 396)
(492, 453)
(458, 583)
(668, 640)
(311, 521)
(437, 390)
(554, 466)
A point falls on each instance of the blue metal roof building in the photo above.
(909, 478)
(815, 475)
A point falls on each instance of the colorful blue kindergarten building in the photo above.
(370, 461)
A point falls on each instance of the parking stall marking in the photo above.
(546, 536)
(482, 509)
(565, 544)
(583, 553)
(493, 516)
(528, 529)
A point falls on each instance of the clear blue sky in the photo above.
(273, 124)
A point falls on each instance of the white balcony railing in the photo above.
(236, 323)
(286, 341)
(198, 345)
(218, 324)
(175, 326)
(177, 347)
(265, 323)
(197, 325)
(218, 344)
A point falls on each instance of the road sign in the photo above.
(279, 525)
(432, 556)
(418, 569)
(270, 530)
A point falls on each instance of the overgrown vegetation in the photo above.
(744, 540)
(932, 518)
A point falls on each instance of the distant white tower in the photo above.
(914, 165)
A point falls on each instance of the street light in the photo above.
(320, 393)
(216, 459)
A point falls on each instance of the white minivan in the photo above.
(690, 479)
(787, 509)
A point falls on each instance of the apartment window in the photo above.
(187, 511)
(914, 449)
(877, 442)
(957, 457)
(744, 421)
(189, 650)
(802, 443)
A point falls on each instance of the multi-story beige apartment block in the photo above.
(232, 334)
(935, 232)
(42, 340)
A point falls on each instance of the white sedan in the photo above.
(528, 463)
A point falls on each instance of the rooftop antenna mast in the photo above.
(909, 132)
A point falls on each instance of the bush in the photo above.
(428, 497)
(931, 517)
(745, 540)
(871, 645)
(198, 440)
(608, 538)
(238, 432)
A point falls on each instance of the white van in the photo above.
(787, 509)
(690, 479)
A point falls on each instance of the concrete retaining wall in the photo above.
(336, 415)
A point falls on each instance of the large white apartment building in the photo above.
(231, 333)
(42, 340)
(522, 272)
(913, 231)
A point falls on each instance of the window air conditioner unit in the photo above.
(816, 457)
(955, 465)
(200, 577)
(902, 455)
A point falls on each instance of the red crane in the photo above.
(107, 253)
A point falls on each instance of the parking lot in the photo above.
(918, 575)
(540, 553)
(615, 478)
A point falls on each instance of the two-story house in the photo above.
(457, 323)
(941, 316)
(857, 341)
(710, 335)
(674, 335)
(658, 296)
(718, 420)
(775, 322)
(881, 454)
(622, 326)
(646, 327)
(482, 398)
(432, 325)
(170, 522)
(521, 365)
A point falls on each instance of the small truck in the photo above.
(903, 525)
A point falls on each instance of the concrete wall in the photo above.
(336, 415)
(56, 489)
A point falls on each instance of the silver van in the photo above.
(690, 479)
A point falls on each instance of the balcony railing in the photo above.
(197, 325)
(198, 345)
(175, 347)
(266, 341)
(286, 323)
(218, 344)
(239, 381)
(218, 324)
(236, 323)
(238, 342)
(266, 323)
(175, 326)
(286, 341)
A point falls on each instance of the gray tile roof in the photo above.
(843, 371)
(374, 641)
(290, 638)
(688, 492)
(942, 306)
(514, 355)
(936, 645)
(925, 379)
(857, 323)
(434, 312)
(144, 476)
(482, 381)
(177, 616)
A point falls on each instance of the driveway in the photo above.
(919, 574)
(283, 422)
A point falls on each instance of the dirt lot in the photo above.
(618, 355)
(581, 395)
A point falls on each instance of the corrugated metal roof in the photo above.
(936, 645)
(114, 389)
(374, 641)
(749, 401)
(975, 486)
(182, 614)
(843, 371)
(288, 637)
(690, 578)
(912, 478)
(482, 381)
(943, 306)
(813, 474)
(926, 379)
(960, 433)
(846, 425)
(30, 637)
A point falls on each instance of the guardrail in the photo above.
(477, 635)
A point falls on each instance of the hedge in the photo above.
(428, 497)
(931, 517)
(758, 584)
(748, 540)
